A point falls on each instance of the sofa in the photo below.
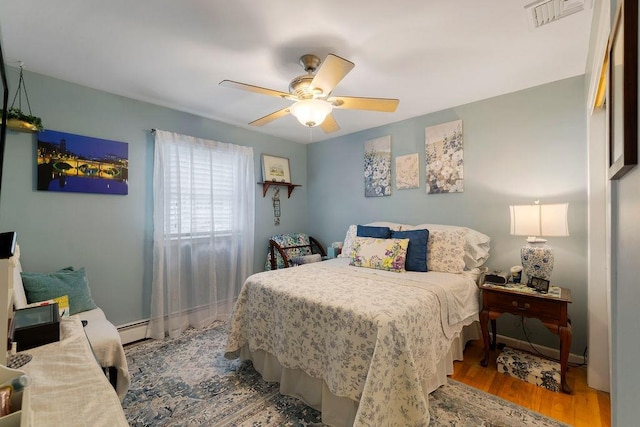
(102, 335)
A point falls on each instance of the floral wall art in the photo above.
(444, 158)
(407, 171)
(377, 167)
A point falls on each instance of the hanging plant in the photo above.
(17, 119)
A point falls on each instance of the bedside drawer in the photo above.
(545, 310)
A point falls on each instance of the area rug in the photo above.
(186, 381)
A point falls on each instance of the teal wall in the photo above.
(518, 148)
(111, 236)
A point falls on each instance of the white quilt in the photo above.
(371, 335)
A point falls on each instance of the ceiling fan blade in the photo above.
(329, 124)
(270, 117)
(332, 70)
(256, 89)
(372, 104)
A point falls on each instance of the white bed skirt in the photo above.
(341, 411)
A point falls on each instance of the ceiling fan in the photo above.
(312, 94)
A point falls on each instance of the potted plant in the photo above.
(21, 122)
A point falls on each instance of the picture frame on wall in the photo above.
(275, 169)
(76, 163)
(622, 90)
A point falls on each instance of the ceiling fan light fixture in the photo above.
(311, 112)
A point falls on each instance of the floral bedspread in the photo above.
(371, 335)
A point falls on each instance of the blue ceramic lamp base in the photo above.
(537, 260)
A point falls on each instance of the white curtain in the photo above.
(203, 230)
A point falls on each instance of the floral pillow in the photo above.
(381, 254)
(352, 232)
(445, 250)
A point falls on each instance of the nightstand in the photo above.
(520, 300)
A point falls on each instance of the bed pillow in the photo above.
(381, 254)
(417, 249)
(74, 283)
(306, 259)
(347, 245)
(445, 250)
(393, 226)
(372, 231)
(477, 245)
(352, 232)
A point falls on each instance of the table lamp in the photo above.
(536, 221)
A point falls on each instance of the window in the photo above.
(201, 195)
(203, 230)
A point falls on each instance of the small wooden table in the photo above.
(550, 308)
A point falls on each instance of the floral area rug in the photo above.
(186, 381)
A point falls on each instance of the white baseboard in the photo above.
(547, 351)
(134, 331)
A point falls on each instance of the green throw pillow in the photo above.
(74, 283)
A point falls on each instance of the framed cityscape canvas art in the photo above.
(75, 163)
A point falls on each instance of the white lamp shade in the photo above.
(539, 220)
(311, 112)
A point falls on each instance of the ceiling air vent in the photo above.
(543, 12)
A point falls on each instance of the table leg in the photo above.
(565, 346)
(484, 326)
(494, 331)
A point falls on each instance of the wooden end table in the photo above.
(550, 308)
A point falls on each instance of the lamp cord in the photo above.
(552, 359)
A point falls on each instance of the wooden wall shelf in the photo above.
(267, 184)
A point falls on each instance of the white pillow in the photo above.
(347, 246)
(306, 259)
(19, 296)
(394, 226)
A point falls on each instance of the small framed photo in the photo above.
(275, 169)
(541, 285)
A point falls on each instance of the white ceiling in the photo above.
(430, 54)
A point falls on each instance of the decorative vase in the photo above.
(537, 260)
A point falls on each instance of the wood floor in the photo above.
(585, 407)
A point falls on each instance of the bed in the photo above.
(365, 346)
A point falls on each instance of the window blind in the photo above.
(201, 195)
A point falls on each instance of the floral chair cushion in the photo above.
(285, 240)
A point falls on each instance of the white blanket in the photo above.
(68, 386)
(371, 336)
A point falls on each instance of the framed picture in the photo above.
(622, 94)
(275, 169)
(540, 285)
(76, 163)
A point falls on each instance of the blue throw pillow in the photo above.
(74, 283)
(417, 250)
(371, 231)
